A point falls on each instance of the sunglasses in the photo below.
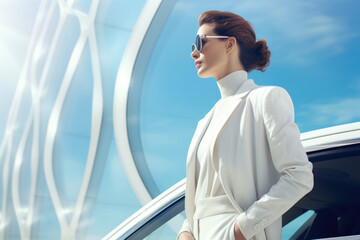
(198, 41)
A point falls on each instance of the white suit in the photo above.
(258, 157)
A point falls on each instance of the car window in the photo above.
(298, 226)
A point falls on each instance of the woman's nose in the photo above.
(195, 54)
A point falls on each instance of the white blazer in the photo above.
(259, 158)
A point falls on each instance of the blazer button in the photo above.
(263, 222)
(257, 227)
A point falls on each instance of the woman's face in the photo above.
(212, 58)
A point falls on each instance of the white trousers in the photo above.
(214, 219)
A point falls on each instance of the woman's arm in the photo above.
(185, 236)
(289, 159)
(237, 233)
(185, 232)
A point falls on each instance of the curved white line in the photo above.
(14, 109)
(54, 117)
(52, 129)
(19, 158)
(5, 183)
(96, 118)
(37, 92)
(121, 95)
(87, 32)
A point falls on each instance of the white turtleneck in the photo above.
(229, 84)
(207, 181)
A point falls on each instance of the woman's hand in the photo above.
(238, 234)
(185, 236)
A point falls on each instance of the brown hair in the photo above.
(253, 54)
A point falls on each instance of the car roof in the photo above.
(330, 137)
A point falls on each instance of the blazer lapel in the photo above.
(242, 92)
(199, 132)
(190, 164)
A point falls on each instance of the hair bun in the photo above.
(263, 52)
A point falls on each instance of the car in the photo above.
(331, 210)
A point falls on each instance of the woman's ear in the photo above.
(231, 42)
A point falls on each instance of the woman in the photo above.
(246, 165)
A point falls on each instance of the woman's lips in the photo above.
(198, 64)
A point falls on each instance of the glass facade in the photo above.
(70, 170)
(60, 171)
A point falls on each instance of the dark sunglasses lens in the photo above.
(193, 47)
(198, 43)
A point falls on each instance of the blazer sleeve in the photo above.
(290, 160)
(185, 228)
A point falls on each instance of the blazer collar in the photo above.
(242, 92)
(245, 89)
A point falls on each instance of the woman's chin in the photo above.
(204, 75)
(201, 73)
